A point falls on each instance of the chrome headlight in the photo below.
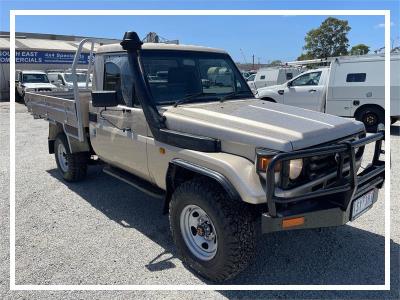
(295, 168)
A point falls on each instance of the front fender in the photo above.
(239, 171)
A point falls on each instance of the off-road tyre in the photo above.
(234, 222)
(76, 163)
(371, 116)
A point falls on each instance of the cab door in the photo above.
(305, 91)
(119, 134)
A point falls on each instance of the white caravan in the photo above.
(273, 76)
(350, 87)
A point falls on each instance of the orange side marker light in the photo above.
(287, 223)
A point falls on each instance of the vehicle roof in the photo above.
(159, 46)
(366, 58)
(31, 72)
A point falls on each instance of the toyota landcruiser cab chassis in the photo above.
(179, 122)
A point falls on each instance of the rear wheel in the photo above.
(72, 166)
(215, 235)
(371, 117)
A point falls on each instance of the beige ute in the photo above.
(180, 123)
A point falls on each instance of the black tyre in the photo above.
(18, 97)
(215, 235)
(371, 117)
(72, 166)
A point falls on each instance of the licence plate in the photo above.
(362, 204)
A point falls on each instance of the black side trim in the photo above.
(189, 141)
(92, 117)
(139, 183)
(221, 179)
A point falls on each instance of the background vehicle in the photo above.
(274, 75)
(351, 87)
(63, 79)
(224, 162)
(35, 81)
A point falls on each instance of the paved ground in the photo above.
(102, 231)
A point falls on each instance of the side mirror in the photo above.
(289, 84)
(104, 99)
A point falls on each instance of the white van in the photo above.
(350, 87)
(63, 79)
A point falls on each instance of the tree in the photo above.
(359, 49)
(276, 62)
(305, 56)
(329, 39)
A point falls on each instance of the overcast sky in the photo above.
(267, 37)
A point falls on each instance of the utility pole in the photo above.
(253, 61)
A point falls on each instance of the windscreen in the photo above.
(81, 77)
(35, 78)
(173, 75)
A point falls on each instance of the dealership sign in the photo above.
(42, 57)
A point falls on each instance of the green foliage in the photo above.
(329, 39)
(305, 56)
(359, 49)
(276, 62)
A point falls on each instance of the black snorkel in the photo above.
(133, 46)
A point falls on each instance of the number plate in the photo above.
(362, 204)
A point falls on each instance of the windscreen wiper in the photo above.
(189, 98)
(232, 95)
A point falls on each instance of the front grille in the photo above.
(43, 90)
(319, 166)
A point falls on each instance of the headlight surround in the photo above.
(292, 168)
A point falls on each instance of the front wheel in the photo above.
(71, 166)
(214, 234)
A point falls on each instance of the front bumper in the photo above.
(329, 206)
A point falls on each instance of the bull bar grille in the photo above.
(334, 158)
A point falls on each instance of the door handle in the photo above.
(280, 92)
(312, 91)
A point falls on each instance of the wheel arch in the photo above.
(180, 170)
(56, 128)
(366, 106)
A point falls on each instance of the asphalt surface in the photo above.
(102, 231)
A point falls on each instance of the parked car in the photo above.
(226, 165)
(64, 79)
(35, 81)
(350, 87)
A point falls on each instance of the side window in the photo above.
(356, 77)
(307, 79)
(112, 77)
(289, 76)
(118, 77)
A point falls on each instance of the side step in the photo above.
(142, 185)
